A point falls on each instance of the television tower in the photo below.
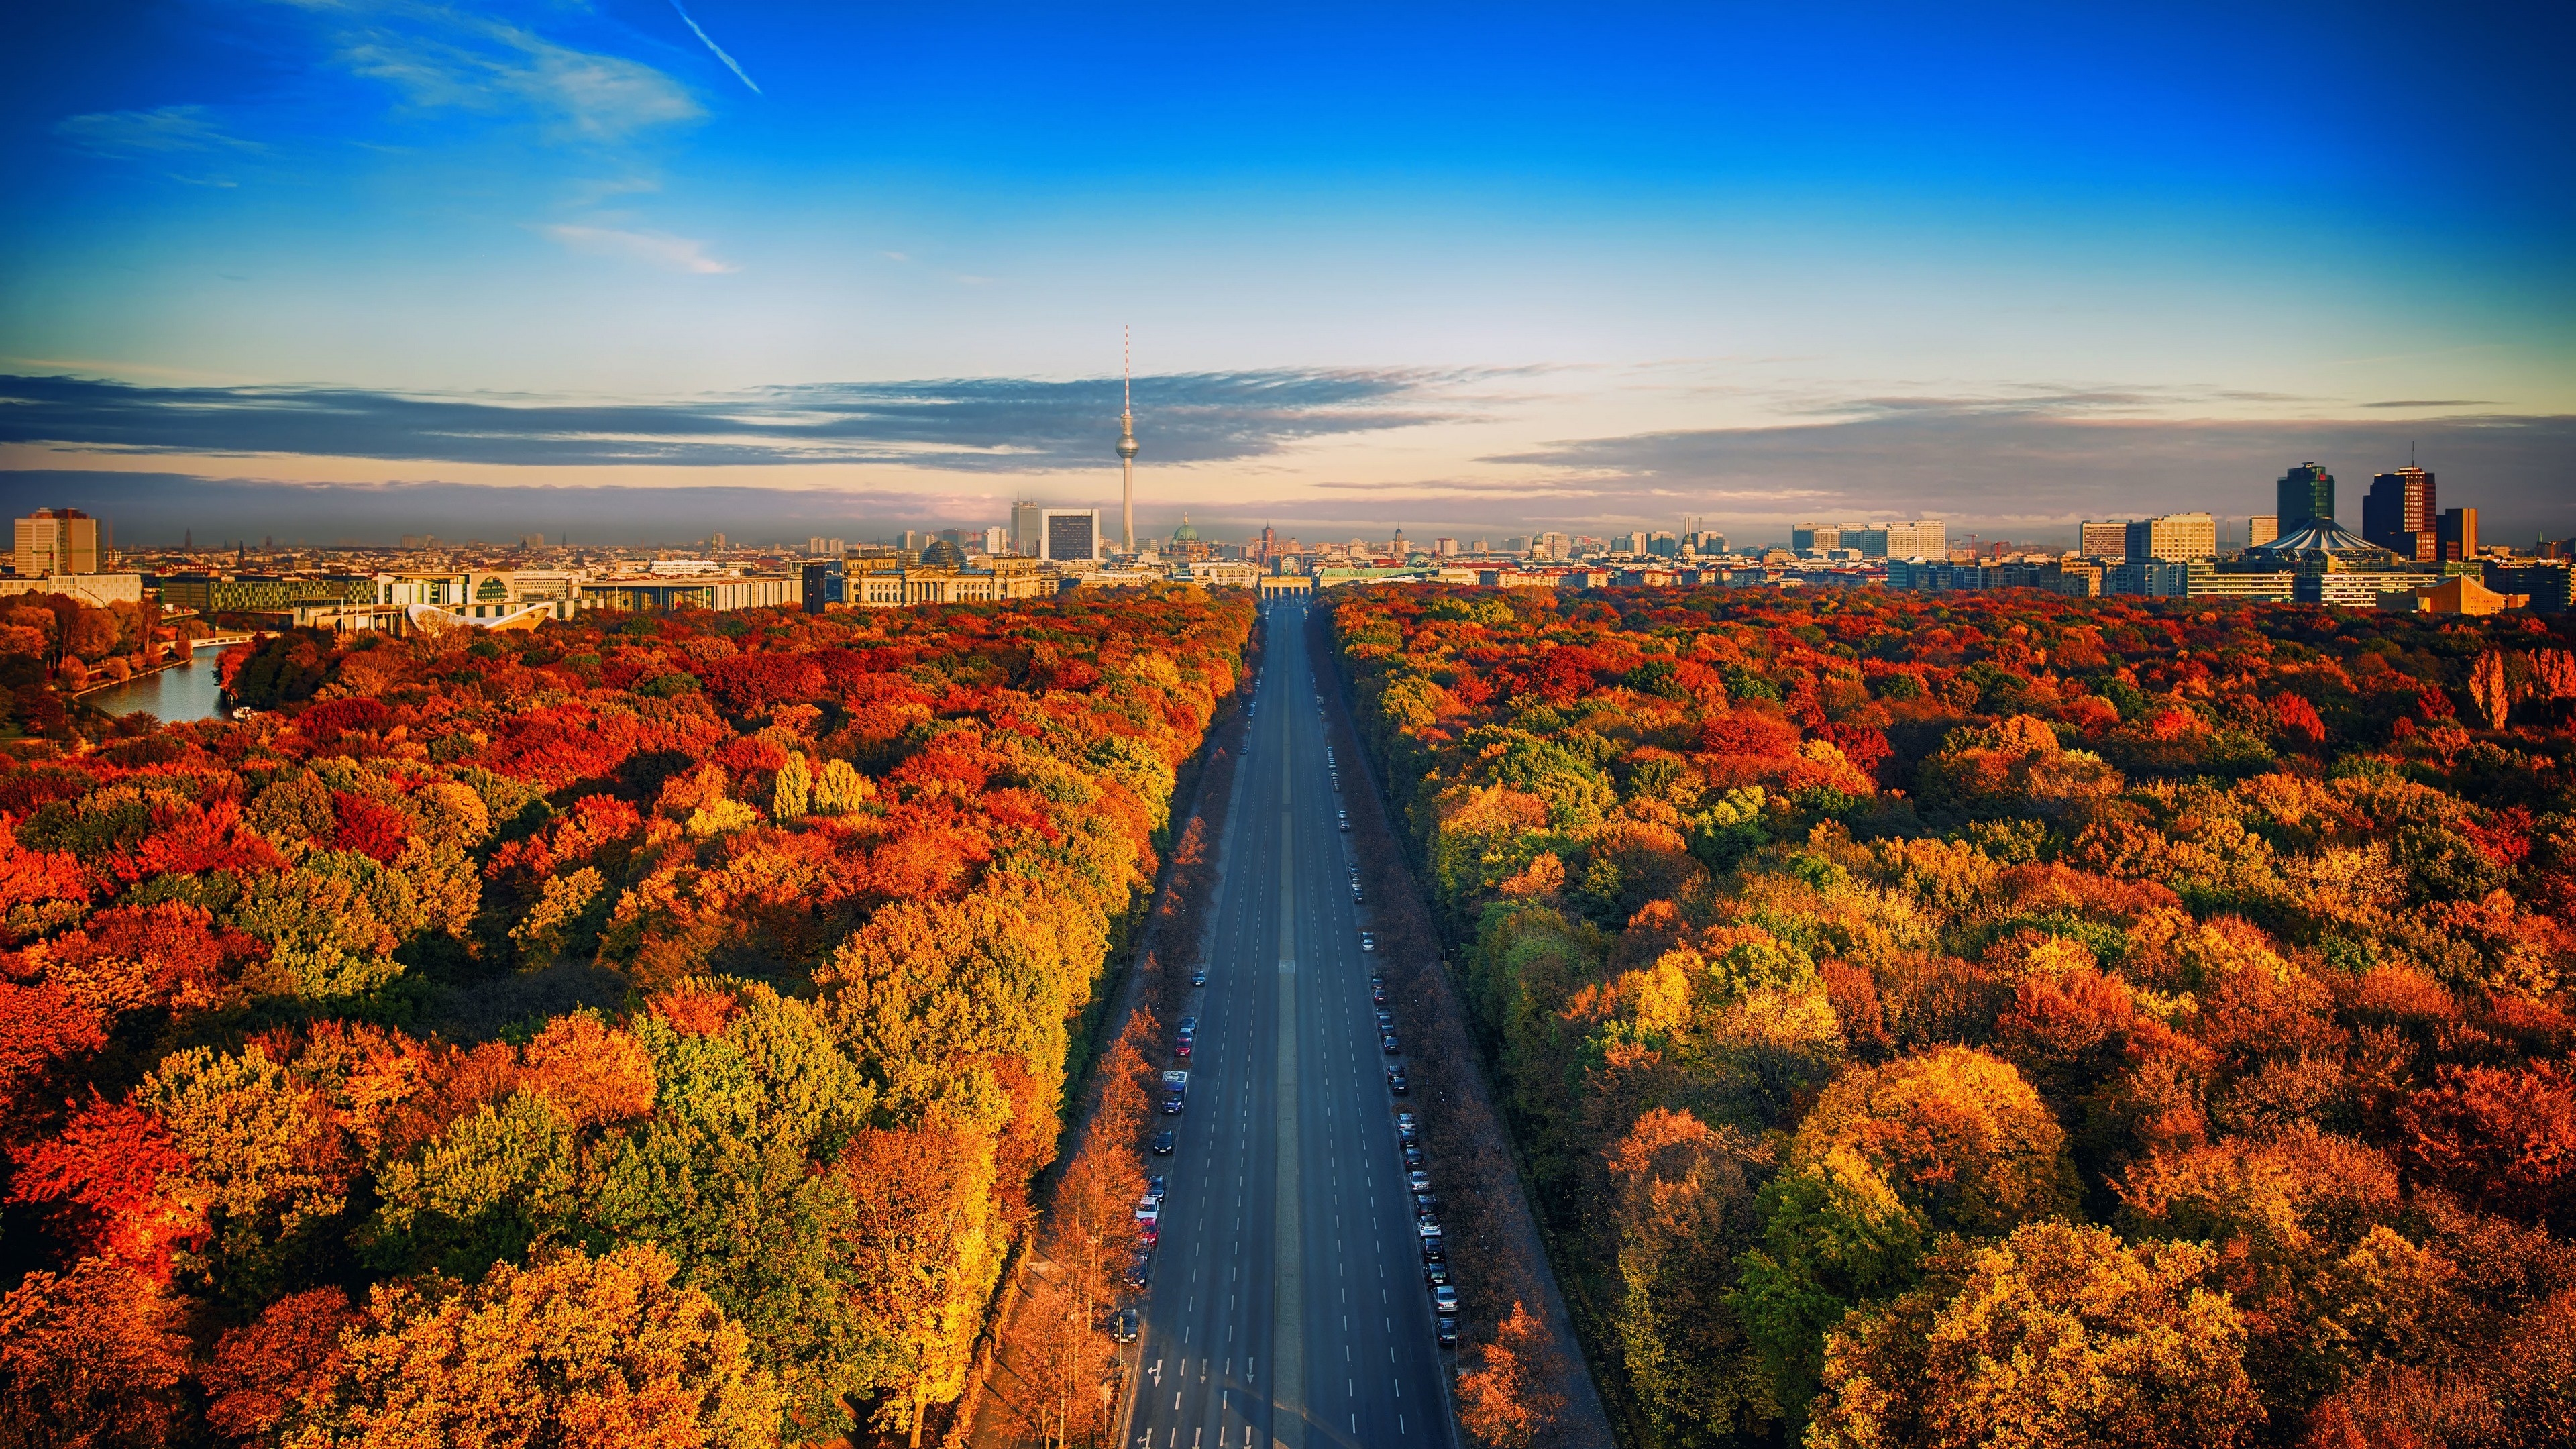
(1127, 439)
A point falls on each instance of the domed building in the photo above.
(943, 554)
(1186, 544)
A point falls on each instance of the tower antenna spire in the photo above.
(1127, 436)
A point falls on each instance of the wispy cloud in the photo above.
(2433, 402)
(441, 58)
(677, 253)
(971, 425)
(159, 132)
(730, 63)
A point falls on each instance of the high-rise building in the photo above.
(2105, 540)
(1815, 537)
(2307, 495)
(1028, 529)
(2261, 529)
(1923, 538)
(1444, 547)
(2397, 514)
(2456, 535)
(1072, 535)
(61, 541)
(715, 543)
(1127, 447)
(2174, 537)
(997, 539)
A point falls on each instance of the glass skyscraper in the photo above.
(2307, 496)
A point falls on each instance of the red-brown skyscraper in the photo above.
(2398, 514)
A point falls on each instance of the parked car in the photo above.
(1190, 1024)
(1172, 1105)
(1154, 1186)
(1181, 1048)
(1397, 1083)
(1432, 1250)
(1412, 1155)
(1367, 941)
(1444, 1299)
(1378, 995)
(1162, 1144)
(1199, 977)
(1140, 1270)
(1436, 1277)
(1123, 1324)
(1418, 1180)
(1389, 1042)
(1448, 1332)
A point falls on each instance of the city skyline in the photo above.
(405, 265)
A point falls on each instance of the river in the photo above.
(175, 695)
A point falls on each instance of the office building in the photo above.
(820, 547)
(2261, 529)
(2174, 537)
(2455, 534)
(2204, 579)
(997, 540)
(2398, 512)
(1815, 537)
(2107, 540)
(716, 543)
(61, 541)
(2307, 496)
(1028, 529)
(1072, 535)
(825, 582)
(2550, 583)
(2153, 578)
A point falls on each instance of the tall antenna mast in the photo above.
(1127, 436)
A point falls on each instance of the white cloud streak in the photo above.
(730, 63)
(676, 253)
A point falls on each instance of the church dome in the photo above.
(1185, 533)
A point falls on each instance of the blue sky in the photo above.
(1476, 268)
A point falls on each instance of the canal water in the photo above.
(175, 695)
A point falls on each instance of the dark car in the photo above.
(1433, 1251)
(1437, 1277)
(1448, 1333)
(1172, 1105)
(1162, 1144)
(1377, 995)
(1190, 1024)
(1199, 977)
(1390, 1043)
(1397, 1083)
(1140, 1271)
(1154, 1186)
(1412, 1155)
(1385, 1019)
(1122, 1325)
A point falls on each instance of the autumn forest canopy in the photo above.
(2013, 1019)
(646, 1029)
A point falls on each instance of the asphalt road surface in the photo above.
(1287, 1305)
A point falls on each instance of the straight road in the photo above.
(1287, 1308)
